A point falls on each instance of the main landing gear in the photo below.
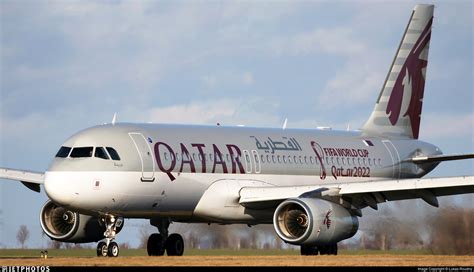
(109, 247)
(159, 242)
(330, 249)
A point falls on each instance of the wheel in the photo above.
(333, 249)
(324, 250)
(155, 246)
(308, 250)
(101, 249)
(113, 250)
(174, 245)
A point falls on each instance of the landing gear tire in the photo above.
(328, 249)
(174, 245)
(333, 249)
(113, 250)
(102, 249)
(308, 250)
(155, 245)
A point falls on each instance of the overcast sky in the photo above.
(68, 65)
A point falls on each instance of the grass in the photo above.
(6, 253)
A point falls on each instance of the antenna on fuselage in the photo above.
(114, 118)
(284, 124)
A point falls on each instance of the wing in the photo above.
(362, 194)
(30, 179)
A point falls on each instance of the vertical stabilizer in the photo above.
(398, 108)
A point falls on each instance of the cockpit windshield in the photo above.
(100, 153)
(105, 153)
(63, 152)
(115, 156)
(82, 152)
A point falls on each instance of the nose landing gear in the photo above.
(158, 243)
(109, 247)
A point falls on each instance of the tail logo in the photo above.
(407, 93)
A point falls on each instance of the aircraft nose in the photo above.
(57, 190)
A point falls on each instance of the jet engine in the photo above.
(313, 222)
(67, 226)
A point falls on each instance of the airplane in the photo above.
(311, 184)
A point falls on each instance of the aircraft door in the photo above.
(256, 161)
(392, 151)
(145, 154)
(248, 162)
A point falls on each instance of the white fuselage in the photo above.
(195, 173)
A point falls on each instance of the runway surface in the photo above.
(290, 260)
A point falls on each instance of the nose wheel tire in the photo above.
(155, 245)
(175, 245)
(113, 250)
(102, 249)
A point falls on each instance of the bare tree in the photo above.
(22, 235)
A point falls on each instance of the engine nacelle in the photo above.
(67, 226)
(313, 222)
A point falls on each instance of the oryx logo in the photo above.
(327, 221)
(319, 155)
(407, 93)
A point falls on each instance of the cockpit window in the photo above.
(113, 154)
(81, 152)
(100, 153)
(63, 152)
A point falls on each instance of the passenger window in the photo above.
(82, 152)
(63, 152)
(284, 159)
(100, 153)
(113, 154)
(278, 158)
(311, 160)
(273, 158)
(262, 158)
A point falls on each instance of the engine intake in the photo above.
(68, 226)
(308, 221)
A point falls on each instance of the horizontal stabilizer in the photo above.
(441, 158)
